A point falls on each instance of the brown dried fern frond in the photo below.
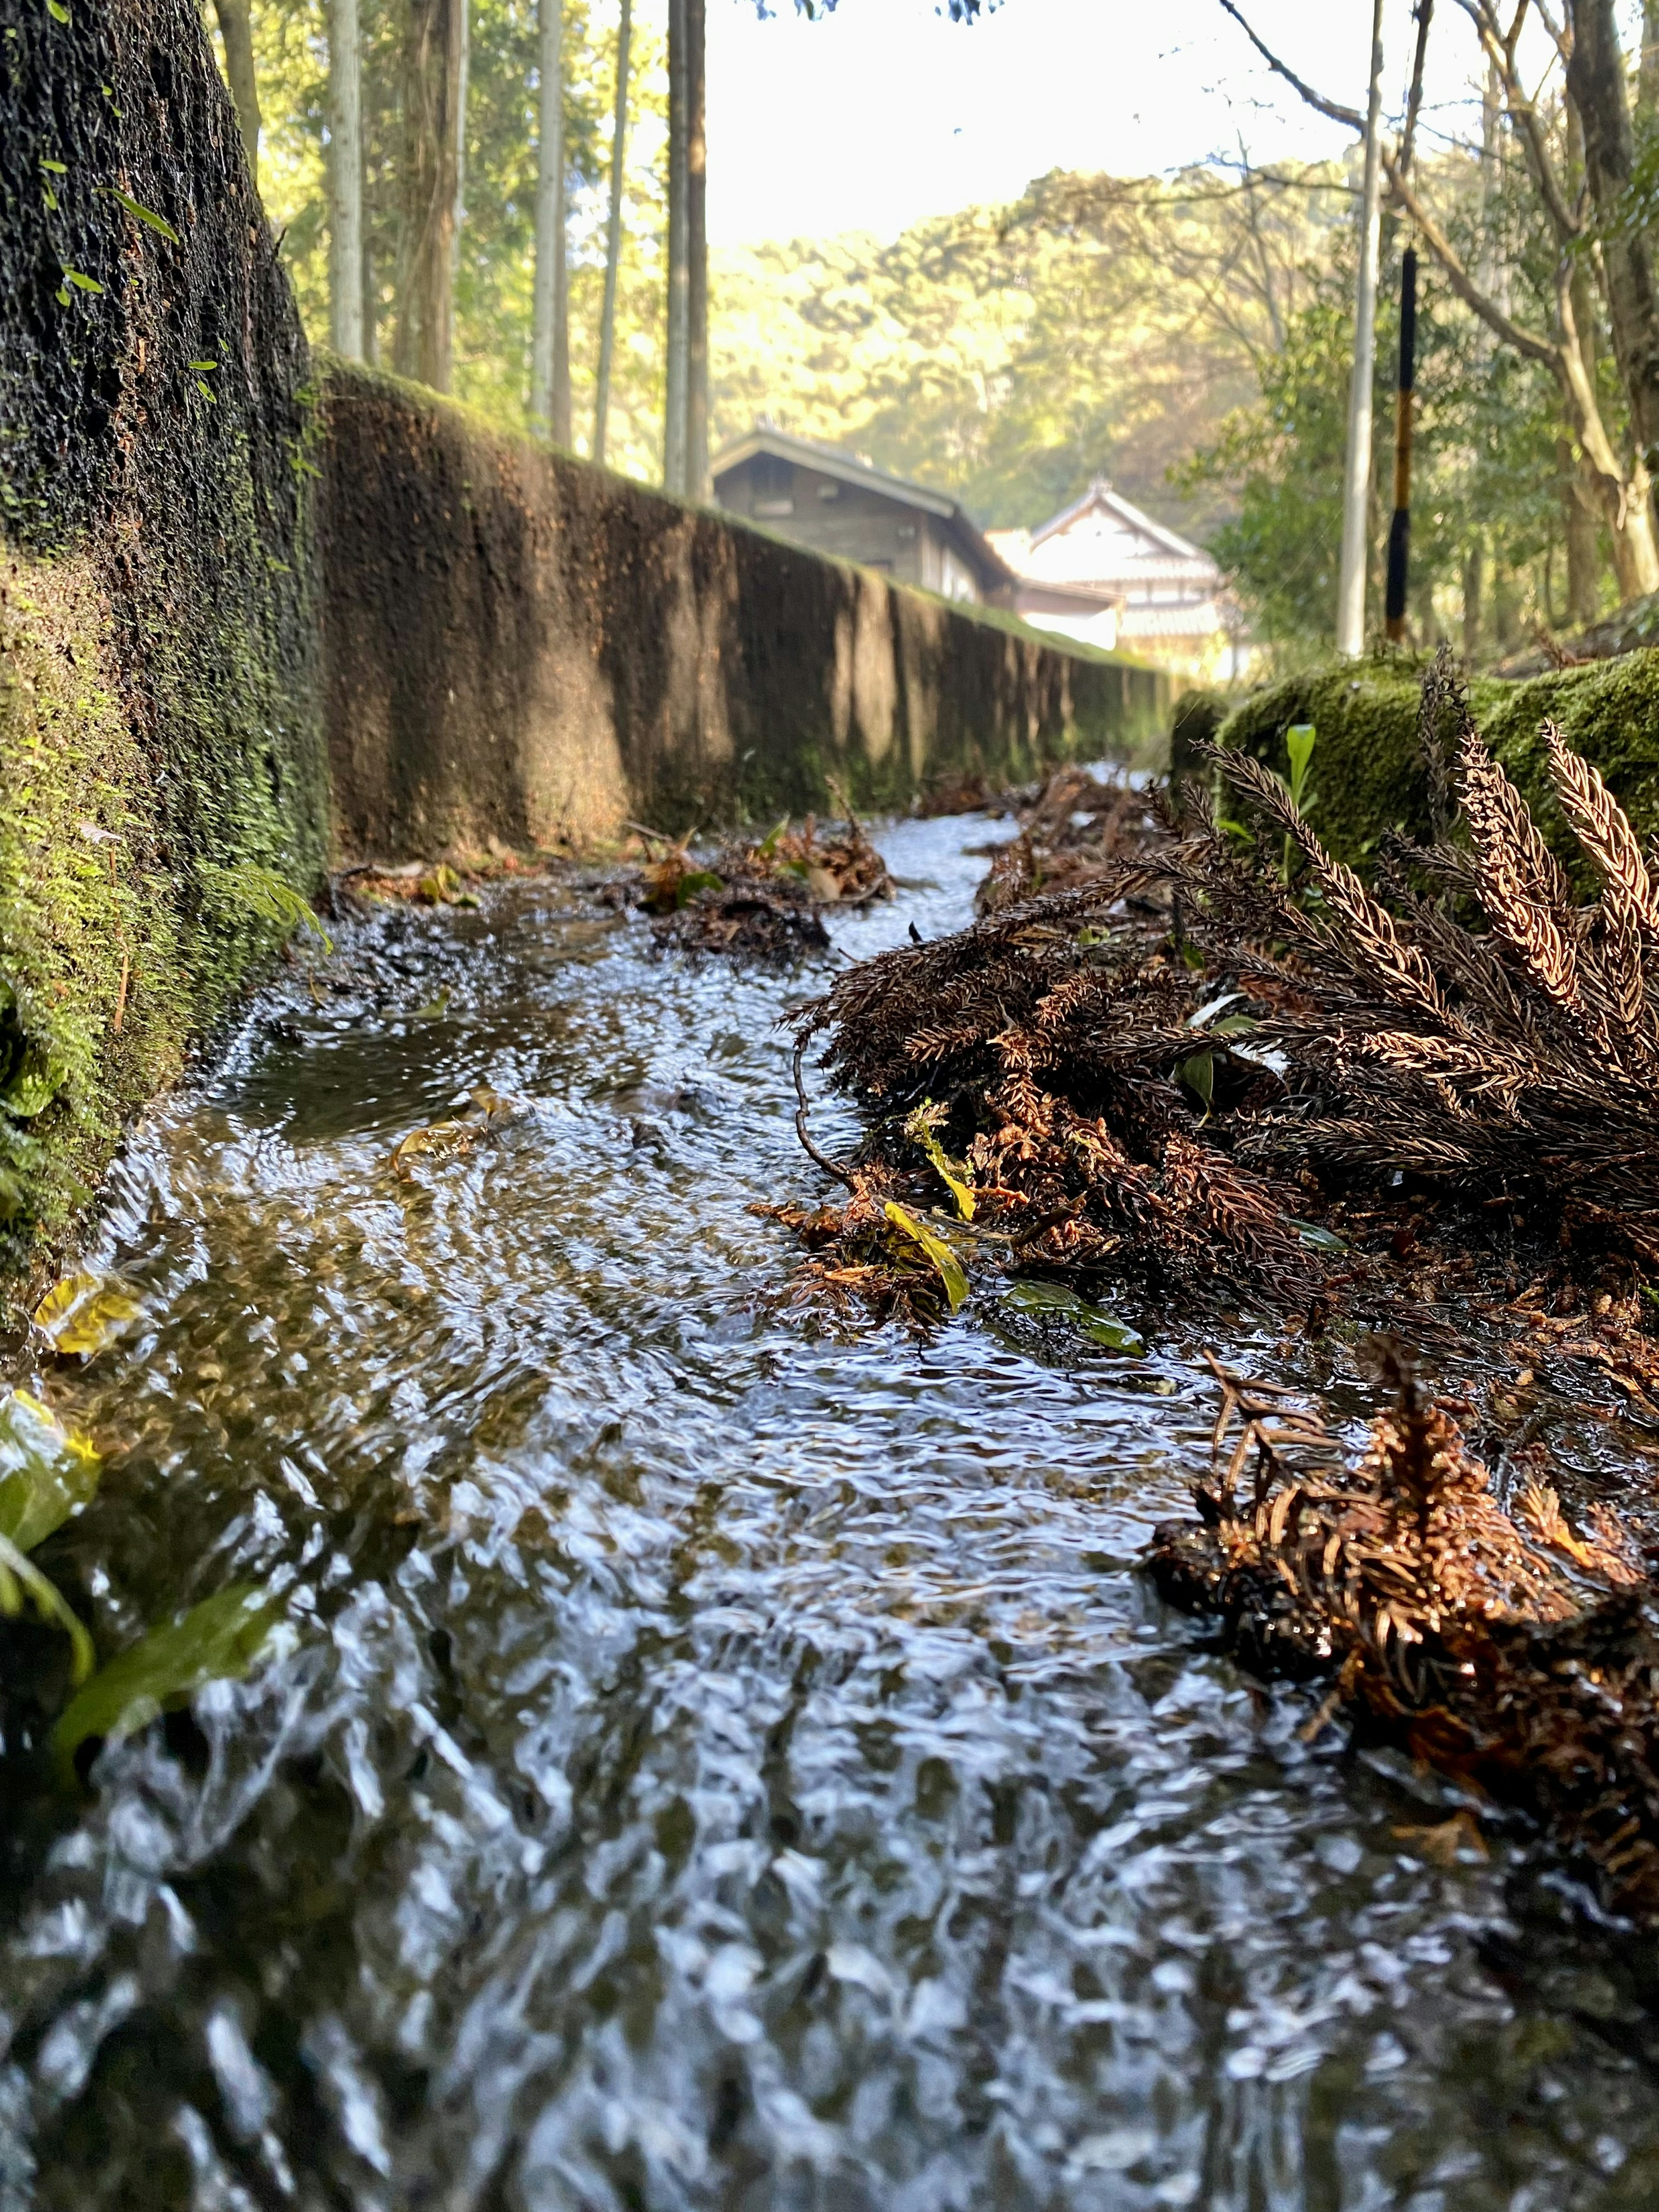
(1515, 1652)
(1603, 829)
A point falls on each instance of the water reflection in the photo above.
(703, 1765)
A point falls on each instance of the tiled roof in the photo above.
(1200, 619)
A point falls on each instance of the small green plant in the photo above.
(1299, 741)
(264, 892)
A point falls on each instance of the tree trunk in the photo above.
(1623, 494)
(1473, 575)
(676, 412)
(346, 179)
(1647, 72)
(550, 375)
(236, 29)
(1595, 85)
(1584, 557)
(614, 233)
(1356, 482)
(696, 210)
(465, 6)
(432, 73)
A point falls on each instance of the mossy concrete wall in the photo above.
(520, 646)
(160, 752)
(1368, 768)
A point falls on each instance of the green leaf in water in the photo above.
(768, 844)
(695, 880)
(1198, 1073)
(20, 1578)
(920, 1128)
(1031, 1296)
(935, 1250)
(1318, 1239)
(434, 1009)
(47, 1472)
(83, 1313)
(217, 1641)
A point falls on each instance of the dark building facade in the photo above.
(840, 504)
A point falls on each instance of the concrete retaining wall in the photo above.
(522, 647)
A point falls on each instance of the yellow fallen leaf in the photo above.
(944, 1260)
(83, 1313)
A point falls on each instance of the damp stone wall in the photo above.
(521, 648)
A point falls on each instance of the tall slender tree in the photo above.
(432, 72)
(549, 349)
(675, 444)
(697, 274)
(613, 232)
(236, 29)
(345, 180)
(460, 126)
(1357, 485)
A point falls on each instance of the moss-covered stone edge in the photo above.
(1368, 771)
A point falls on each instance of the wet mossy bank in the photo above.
(1367, 762)
(518, 646)
(161, 754)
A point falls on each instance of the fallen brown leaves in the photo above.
(1163, 1054)
(762, 899)
(1512, 1650)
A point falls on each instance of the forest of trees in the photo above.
(1189, 336)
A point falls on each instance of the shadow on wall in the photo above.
(522, 647)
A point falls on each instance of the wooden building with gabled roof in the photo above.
(840, 503)
(1136, 584)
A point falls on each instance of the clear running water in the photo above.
(703, 1765)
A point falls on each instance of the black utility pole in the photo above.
(1399, 529)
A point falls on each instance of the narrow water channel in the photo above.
(703, 1764)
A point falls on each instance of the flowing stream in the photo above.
(702, 1763)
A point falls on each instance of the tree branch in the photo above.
(1414, 98)
(1500, 46)
(1338, 113)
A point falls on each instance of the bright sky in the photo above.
(885, 112)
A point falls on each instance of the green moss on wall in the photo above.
(1368, 770)
(160, 745)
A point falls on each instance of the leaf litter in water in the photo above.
(1054, 1300)
(933, 1249)
(217, 1641)
(440, 1140)
(83, 1313)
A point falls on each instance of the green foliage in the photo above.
(218, 1640)
(262, 891)
(495, 257)
(1487, 467)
